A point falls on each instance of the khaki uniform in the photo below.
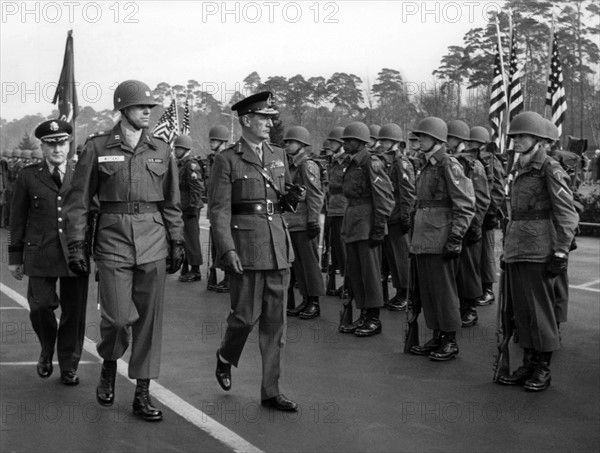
(138, 192)
(191, 188)
(445, 205)
(336, 207)
(370, 198)
(245, 216)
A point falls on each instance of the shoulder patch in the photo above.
(376, 163)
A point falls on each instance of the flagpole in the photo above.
(510, 44)
(177, 129)
(549, 64)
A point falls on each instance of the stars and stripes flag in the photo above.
(65, 93)
(185, 122)
(497, 102)
(166, 127)
(555, 96)
(515, 97)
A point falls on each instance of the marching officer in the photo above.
(139, 238)
(191, 187)
(444, 210)
(396, 243)
(304, 224)
(369, 192)
(541, 227)
(218, 136)
(38, 249)
(246, 202)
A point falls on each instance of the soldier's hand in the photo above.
(490, 221)
(405, 225)
(473, 235)
(16, 270)
(556, 266)
(79, 260)
(376, 236)
(313, 229)
(232, 263)
(176, 256)
(452, 247)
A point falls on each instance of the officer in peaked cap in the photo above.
(253, 244)
(54, 131)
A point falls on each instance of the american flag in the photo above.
(185, 123)
(515, 97)
(166, 127)
(497, 103)
(555, 96)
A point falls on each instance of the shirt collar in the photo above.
(62, 168)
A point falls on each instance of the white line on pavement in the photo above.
(82, 362)
(165, 396)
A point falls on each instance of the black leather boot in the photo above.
(430, 346)
(330, 287)
(291, 301)
(212, 279)
(351, 328)
(312, 310)
(296, 311)
(524, 372)
(488, 295)
(540, 378)
(468, 312)
(371, 326)
(105, 391)
(448, 348)
(142, 403)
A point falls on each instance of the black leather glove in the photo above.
(556, 266)
(189, 213)
(313, 229)
(289, 200)
(473, 234)
(502, 263)
(405, 225)
(490, 221)
(176, 256)
(452, 247)
(376, 236)
(79, 260)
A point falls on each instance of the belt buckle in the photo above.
(136, 207)
(270, 210)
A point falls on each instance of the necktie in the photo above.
(259, 153)
(56, 177)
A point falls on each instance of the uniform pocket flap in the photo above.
(243, 222)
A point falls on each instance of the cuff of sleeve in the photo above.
(15, 257)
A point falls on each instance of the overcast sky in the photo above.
(219, 43)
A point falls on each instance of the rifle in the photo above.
(411, 337)
(211, 272)
(504, 330)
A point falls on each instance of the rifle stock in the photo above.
(504, 330)
(411, 337)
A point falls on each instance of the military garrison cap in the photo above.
(54, 131)
(257, 103)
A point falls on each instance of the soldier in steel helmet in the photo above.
(38, 249)
(249, 190)
(139, 239)
(369, 192)
(444, 210)
(541, 227)
(304, 224)
(373, 134)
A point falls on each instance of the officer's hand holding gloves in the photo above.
(313, 229)
(176, 256)
(473, 234)
(232, 263)
(79, 260)
(289, 200)
(452, 247)
(376, 236)
(556, 266)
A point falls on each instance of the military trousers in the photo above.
(363, 274)
(131, 302)
(68, 334)
(439, 294)
(306, 264)
(338, 248)
(396, 246)
(468, 275)
(258, 297)
(532, 295)
(191, 236)
(561, 296)
(488, 256)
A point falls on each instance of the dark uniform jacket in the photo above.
(114, 172)
(496, 177)
(261, 240)
(370, 198)
(402, 176)
(336, 201)
(305, 172)
(542, 216)
(37, 223)
(445, 203)
(474, 170)
(191, 184)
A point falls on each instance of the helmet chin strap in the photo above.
(532, 147)
(134, 126)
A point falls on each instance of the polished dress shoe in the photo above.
(69, 377)
(427, 348)
(142, 403)
(447, 350)
(397, 304)
(300, 308)
(44, 367)
(223, 286)
(351, 328)
(469, 318)
(312, 310)
(488, 296)
(105, 391)
(371, 326)
(518, 377)
(281, 403)
(540, 379)
(223, 373)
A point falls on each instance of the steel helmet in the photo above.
(26, 154)
(412, 136)
(390, 132)
(479, 134)
(434, 127)
(458, 129)
(218, 133)
(530, 123)
(357, 130)
(37, 154)
(552, 132)
(17, 153)
(7, 153)
(133, 92)
(374, 131)
(183, 141)
(336, 134)
(298, 133)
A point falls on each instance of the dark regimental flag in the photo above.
(555, 96)
(185, 123)
(497, 103)
(166, 127)
(65, 94)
